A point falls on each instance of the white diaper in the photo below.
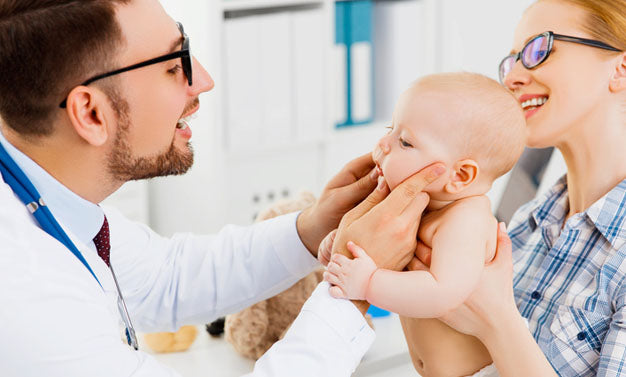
(488, 371)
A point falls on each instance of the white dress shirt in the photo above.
(56, 320)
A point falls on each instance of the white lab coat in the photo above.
(55, 320)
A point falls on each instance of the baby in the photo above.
(477, 128)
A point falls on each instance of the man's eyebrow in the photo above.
(174, 46)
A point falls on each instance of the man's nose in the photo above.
(202, 81)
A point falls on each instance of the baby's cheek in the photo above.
(397, 174)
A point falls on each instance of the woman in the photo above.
(569, 245)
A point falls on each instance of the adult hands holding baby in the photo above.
(385, 224)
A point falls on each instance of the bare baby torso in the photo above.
(436, 349)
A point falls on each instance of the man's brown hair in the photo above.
(47, 47)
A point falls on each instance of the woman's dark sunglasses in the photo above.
(184, 54)
(537, 50)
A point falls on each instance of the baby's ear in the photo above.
(464, 174)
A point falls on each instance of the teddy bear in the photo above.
(255, 329)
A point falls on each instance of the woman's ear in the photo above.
(464, 173)
(85, 108)
(618, 79)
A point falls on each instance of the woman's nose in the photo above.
(518, 77)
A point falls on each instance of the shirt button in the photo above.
(535, 295)
(581, 335)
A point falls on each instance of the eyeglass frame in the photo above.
(184, 54)
(551, 38)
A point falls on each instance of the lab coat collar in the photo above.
(81, 217)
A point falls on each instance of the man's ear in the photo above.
(618, 78)
(464, 173)
(85, 109)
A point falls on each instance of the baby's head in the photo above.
(465, 120)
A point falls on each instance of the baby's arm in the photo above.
(458, 257)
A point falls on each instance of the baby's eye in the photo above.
(390, 128)
(405, 144)
(174, 70)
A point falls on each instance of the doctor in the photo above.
(65, 263)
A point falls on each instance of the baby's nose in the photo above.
(383, 144)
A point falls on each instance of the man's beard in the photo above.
(124, 167)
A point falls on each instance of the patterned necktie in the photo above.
(103, 243)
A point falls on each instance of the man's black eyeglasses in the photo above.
(184, 54)
(537, 50)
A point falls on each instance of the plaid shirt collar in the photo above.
(607, 214)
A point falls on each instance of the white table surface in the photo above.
(215, 357)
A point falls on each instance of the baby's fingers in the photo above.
(334, 268)
(331, 278)
(337, 292)
(339, 259)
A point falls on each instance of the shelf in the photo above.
(239, 5)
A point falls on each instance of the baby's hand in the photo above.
(350, 277)
(326, 248)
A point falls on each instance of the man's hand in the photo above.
(326, 248)
(353, 183)
(385, 224)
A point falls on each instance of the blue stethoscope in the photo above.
(24, 189)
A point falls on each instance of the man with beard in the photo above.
(94, 93)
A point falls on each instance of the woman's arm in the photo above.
(491, 315)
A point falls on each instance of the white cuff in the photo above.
(289, 247)
(344, 318)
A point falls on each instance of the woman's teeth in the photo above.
(535, 102)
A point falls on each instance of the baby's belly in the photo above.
(439, 351)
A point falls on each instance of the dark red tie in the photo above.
(103, 243)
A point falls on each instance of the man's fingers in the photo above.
(423, 253)
(504, 249)
(353, 171)
(358, 190)
(416, 265)
(406, 192)
(377, 196)
(416, 207)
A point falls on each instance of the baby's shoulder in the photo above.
(478, 206)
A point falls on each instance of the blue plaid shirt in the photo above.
(569, 280)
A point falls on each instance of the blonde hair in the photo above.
(491, 128)
(606, 20)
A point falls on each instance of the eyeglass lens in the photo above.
(535, 51)
(532, 55)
